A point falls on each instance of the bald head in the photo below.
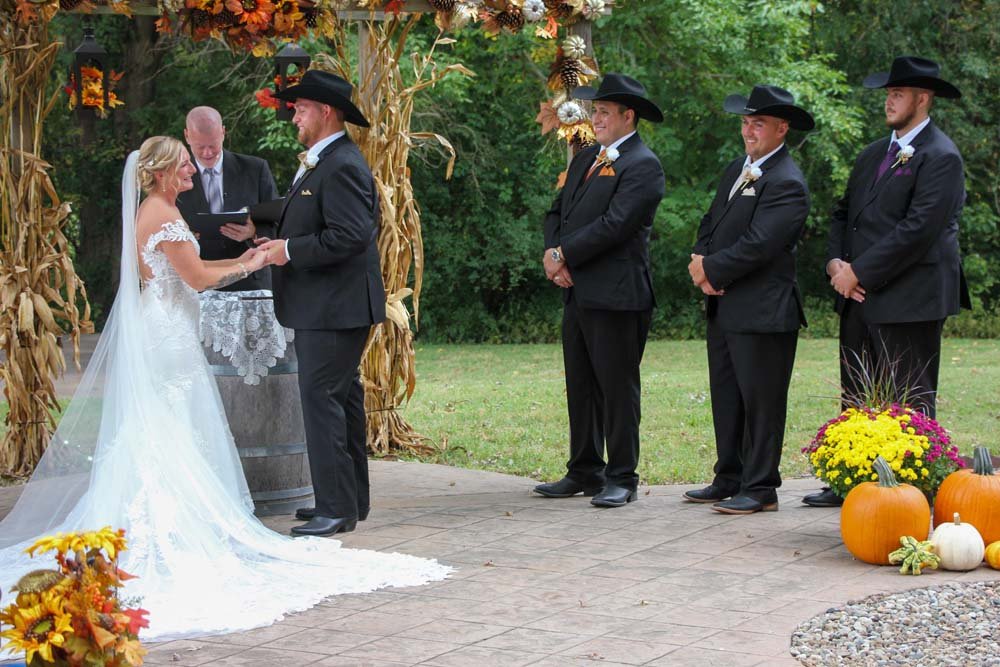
(204, 134)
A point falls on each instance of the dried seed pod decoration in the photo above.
(574, 46)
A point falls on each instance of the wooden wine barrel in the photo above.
(266, 421)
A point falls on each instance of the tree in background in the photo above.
(482, 229)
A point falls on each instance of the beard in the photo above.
(901, 121)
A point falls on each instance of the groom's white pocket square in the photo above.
(749, 192)
(306, 193)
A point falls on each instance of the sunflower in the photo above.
(106, 538)
(37, 629)
(256, 14)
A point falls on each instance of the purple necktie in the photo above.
(889, 158)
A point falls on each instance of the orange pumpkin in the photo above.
(876, 514)
(975, 494)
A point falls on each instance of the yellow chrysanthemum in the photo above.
(37, 629)
(111, 541)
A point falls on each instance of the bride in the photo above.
(144, 446)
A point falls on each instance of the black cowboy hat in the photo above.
(913, 72)
(624, 90)
(325, 88)
(770, 101)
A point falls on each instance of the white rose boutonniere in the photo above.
(611, 155)
(750, 175)
(903, 156)
(308, 161)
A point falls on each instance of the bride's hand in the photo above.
(254, 260)
(249, 254)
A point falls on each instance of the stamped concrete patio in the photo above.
(547, 582)
(558, 582)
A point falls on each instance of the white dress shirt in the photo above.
(908, 138)
(750, 164)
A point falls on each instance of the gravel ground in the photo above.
(953, 625)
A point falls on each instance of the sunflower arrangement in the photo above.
(92, 90)
(72, 615)
(917, 448)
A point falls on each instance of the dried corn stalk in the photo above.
(39, 288)
(386, 99)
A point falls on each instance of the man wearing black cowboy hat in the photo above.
(597, 252)
(328, 287)
(892, 251)
(744, 263)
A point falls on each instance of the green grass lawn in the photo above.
(502, 407)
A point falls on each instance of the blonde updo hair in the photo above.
(158, 154)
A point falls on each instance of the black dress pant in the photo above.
(602, 350)
(910, 351)
(333, 410)
(749, 375)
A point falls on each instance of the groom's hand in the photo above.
(275, 251)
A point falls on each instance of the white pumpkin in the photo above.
(959, 545)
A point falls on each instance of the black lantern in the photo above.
(89, 54)
(291, 54)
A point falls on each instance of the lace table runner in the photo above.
(242, 326)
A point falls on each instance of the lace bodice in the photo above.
(165, 280)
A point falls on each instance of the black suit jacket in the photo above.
(603, 225)
(901, 234)
(330, 219)
(749, 243)
(246, 180)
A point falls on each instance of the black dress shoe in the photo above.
(324, 525)
(825, 498)
(710, 494)
(613, 496)
(306, 513)
(742, 504)
(567, 487)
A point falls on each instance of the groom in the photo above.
(328, 287)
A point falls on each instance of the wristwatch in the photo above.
(556, 255)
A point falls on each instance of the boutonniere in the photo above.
(308, 161)
(903, 156)
(609, 155)
(750, 175)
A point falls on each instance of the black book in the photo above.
(207, 225)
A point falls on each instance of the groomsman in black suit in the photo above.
(225, 181)
(597, 252)
(744, 263)
(328, 287)
(892, 253)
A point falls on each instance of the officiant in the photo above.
(226, 181)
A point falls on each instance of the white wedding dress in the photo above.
(145, 446)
